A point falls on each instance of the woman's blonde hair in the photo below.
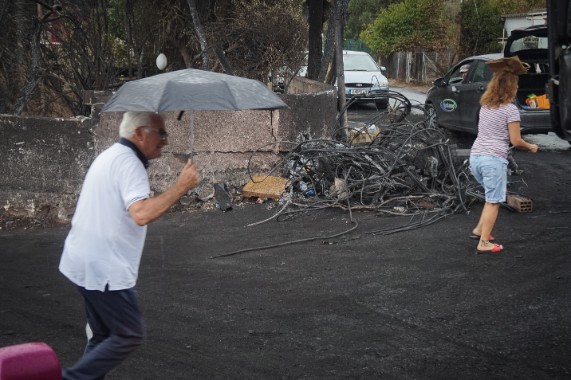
(501, 90)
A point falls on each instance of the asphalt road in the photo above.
(416, 304)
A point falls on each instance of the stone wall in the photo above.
(43, 161)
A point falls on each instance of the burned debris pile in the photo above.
(390, 166)
(404, 169)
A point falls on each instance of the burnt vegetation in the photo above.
(52, 51)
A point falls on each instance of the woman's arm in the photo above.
(516, 139)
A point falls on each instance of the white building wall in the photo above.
(523, 21)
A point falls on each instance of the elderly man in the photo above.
(103, 249)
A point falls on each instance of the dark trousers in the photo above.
(118, 329)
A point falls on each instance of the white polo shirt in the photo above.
(104, 245)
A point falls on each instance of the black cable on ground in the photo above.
(271, 246)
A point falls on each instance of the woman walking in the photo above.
(499, 125)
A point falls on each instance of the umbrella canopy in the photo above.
(192, 90)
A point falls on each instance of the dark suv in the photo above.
(454, 100)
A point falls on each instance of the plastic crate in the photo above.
(29, 361)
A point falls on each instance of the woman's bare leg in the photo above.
(486, 223)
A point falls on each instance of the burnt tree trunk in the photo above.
(326, 73)
(199, 32)
(315, 43)
(340, 11)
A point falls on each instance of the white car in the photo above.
(364, 80)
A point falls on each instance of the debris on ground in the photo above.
(43, 217)
(222, 197)
(265, 187)
(520, 203)
(405, 169)
(361, 134)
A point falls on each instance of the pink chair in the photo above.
(29, 361)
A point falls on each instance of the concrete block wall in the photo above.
(221, 143)
(43, 161)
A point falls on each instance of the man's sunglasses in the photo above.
(162, 133)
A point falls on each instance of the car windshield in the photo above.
(359, 63)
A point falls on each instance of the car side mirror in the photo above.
(439, 82)
(383, 69)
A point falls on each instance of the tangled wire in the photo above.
(403, 169)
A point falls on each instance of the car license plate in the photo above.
(358, 92)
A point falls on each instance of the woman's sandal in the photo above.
(497, 248)
(477, 237)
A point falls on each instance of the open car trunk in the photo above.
(531, 46)
(532, 91)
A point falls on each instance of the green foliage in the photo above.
(470, 27)
(116, 18)
(518, 6)
(482, 23)
(481, 26)
(361, 14)
(405, 26)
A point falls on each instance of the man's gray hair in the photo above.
(135, 119)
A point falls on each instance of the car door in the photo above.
(447, 97)
(468, 95)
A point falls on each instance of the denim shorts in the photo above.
(492, 173)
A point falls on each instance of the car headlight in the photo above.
(381, 83)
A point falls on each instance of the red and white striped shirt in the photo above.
(493, 135)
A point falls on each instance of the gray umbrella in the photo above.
(192, 90)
